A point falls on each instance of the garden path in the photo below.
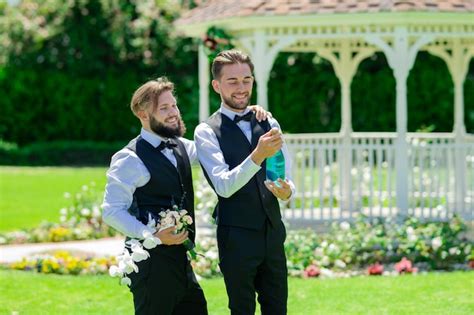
(100, 247)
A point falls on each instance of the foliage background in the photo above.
(68, 70)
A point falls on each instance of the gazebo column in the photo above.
(401, 56)
(204, 80)
(457, 58)
(345, 61)
(262, 67)
(263, 52)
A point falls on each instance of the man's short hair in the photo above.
(147, 95)
(229, 57)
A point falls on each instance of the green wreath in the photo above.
(215, 41)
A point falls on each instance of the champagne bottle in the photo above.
(276, 167)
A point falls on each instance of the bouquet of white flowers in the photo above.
(168, 218)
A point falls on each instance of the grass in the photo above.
(29, 195)
(445, 293)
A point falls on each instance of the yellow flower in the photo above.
(57, 234)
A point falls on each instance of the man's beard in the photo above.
(232, 104)
(165, 131)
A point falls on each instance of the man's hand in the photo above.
(260, 112)
(168, 236)
(283, 192)
(268, 145)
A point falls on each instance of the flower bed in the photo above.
(376, 247)
(63, 262)
(430, 245)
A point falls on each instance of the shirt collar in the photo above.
(151, 137)
(231, 114)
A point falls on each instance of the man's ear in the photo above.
(215, 86)
(142, 114)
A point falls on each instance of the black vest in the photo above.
(167, 186)
(251, 205)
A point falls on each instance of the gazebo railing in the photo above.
(337, 179)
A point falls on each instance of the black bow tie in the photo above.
(166, 144)
(245, 117)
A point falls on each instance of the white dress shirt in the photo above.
(225, 181)
(126, 173)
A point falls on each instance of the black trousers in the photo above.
(254, 261)
(166, 284)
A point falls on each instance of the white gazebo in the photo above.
(339, 175)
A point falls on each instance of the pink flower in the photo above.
(311, 271)
(405, 266)
(375, 269)
(209, 42)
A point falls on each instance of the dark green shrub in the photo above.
(67, 153)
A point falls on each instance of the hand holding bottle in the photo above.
(267, 146)
(280, 189)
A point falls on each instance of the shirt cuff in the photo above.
(250, 165)
(293, 191)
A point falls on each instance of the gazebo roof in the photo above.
(224, 9)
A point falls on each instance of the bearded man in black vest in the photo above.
(151, 174)
(232, 147)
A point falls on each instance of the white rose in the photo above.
(345, 226)
(188, 219)
(175, 214)
(325, 261)
(114, 271)
(85, 212)
(96, 212)
(333, 248)
(150, 242)
(126, 266)
(126, 263)
(326, 273)
(125, 281)
(340, 264)
(167, 222)
(138, 253)
(319, 252)
(436, 243)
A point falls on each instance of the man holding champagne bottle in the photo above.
(236, 153)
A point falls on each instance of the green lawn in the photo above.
(29, 195)
(447, 293)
